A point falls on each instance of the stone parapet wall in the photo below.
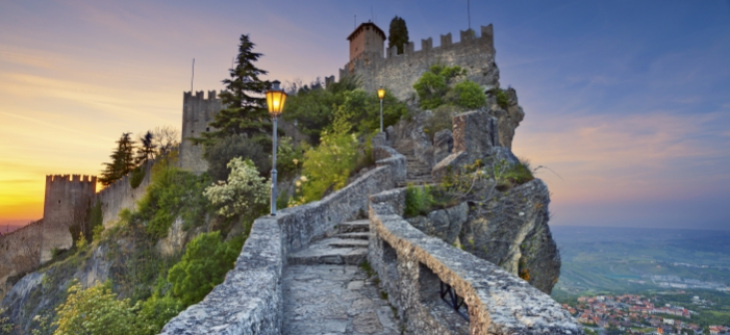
(20, 252)
(410, 265)
(249, 301)
(120, 195)
(398, 72)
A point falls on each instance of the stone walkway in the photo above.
(326, 292)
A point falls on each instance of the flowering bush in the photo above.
(245, 192)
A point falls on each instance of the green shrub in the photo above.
(171, 193)
(327, 167)
(155, 312)
(137, 176)
(502, 99)
(94, 311)
(433, 85)
(469, 94)
(418, 201)
(508, 175)
(204, 265)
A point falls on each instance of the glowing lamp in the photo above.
(275, 98)
(381, 93)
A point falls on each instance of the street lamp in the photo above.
(275, 98)
(381, 95)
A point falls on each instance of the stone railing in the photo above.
(249, 301)
(412, 267)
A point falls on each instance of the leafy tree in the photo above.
(435, 84)
(244, 111)
(147, 149)
(245, 193)
(122, 161)
(313, 108)
(165, 139)
(204, 265)
(94, 311)
(327, 166)
(221, 152)
(397, 34)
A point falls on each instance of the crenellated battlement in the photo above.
(199, 95)
(65, 178)
(465, 37)
(398, 72)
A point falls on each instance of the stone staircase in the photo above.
(348, 245)
(325, 290)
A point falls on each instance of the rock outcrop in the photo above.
(506, 225)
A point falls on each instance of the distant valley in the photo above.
(638, 260)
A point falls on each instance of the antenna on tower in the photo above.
(354, 22)
(192, 77)
(468, 14)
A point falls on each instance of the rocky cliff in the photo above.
(495, 216)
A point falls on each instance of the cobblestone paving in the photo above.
(334, 299)
(326, 292)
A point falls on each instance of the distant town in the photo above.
(636, 314)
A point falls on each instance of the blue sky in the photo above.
(627, 102)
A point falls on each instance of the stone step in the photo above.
(354, 226)
(354, 236)
(336, 242)
(338, 256)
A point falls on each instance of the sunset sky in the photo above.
(627, 102)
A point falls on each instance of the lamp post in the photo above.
(275, 98)
(381, 95)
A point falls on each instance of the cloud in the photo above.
(607, 158)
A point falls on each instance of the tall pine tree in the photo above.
(244, 99)
(147, 148)
(397, 34)
(122, 161)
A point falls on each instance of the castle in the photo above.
(398, 72)
(67, 198)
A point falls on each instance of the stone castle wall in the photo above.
(198, 112)
(397, 73)
(20, 252)
(120, 195)
(67, 200)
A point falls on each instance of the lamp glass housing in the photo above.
(381, 93)
(275, 101)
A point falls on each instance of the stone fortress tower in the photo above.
(198, 112)
(66, 203)
(397, 73)
(366, 43)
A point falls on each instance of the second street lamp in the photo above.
(275, 98)
(381, 95)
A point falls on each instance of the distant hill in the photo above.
(620, 260)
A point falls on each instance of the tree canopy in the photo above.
(122, 161)
(244, 109)
(397, 34)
